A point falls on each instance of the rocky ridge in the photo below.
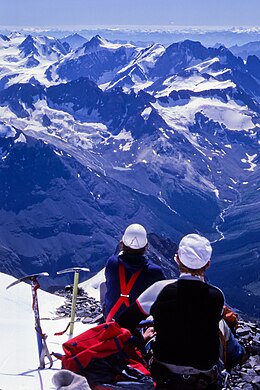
(247, 376)
(88, 310)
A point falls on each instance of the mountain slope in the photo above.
(167, 137)
(56, 212)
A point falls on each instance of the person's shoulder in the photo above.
(152, 292)
(112, 260)
(154, 272)
(163, 284)
(151, 265)
(216, 291)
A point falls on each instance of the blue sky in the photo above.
(130, 12)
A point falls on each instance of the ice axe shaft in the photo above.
(76, 271)
(74, 300)
(41, 337)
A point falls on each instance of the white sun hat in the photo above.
(135, 236)
(194, 251)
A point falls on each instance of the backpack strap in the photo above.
(125, 289)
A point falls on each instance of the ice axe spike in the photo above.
(76, 271)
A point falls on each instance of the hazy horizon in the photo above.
(125, 12)
(151, 27)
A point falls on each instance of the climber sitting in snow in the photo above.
(186, 314)
(129, 273)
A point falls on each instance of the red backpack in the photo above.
(100, 342)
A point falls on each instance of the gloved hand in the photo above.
(68, 380)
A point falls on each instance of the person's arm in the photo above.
(235, 352)
(140, 309)
(108, 267)
(131, 317)
(111, 285)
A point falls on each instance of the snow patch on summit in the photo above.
(230, 114)
(6, 131)
(195, 83)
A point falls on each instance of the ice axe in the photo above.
(76, 271)
(41, 337)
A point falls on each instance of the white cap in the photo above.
(135, 236)
(194, 251)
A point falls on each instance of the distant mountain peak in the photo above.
(28, 46)
(77, 35)
(197, 49)
(74, 41)
(95, 42)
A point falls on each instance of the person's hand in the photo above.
(149, 333)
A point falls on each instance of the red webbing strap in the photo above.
(63, 331)
(125, 290)
(35, 288)
(44, 351)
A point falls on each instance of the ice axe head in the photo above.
(73, 269)
(26, 278)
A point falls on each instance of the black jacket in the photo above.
(186, 316)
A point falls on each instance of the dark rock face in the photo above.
(178, 57)
(93, 61)
(53, 208)
(28, 46)
(32, 62)
(82, 93)
(253, 63)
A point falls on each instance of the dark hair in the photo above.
(126, 249)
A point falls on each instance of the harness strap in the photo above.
(125, 289)
(44, 349)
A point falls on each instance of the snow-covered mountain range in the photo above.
(97, 136)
